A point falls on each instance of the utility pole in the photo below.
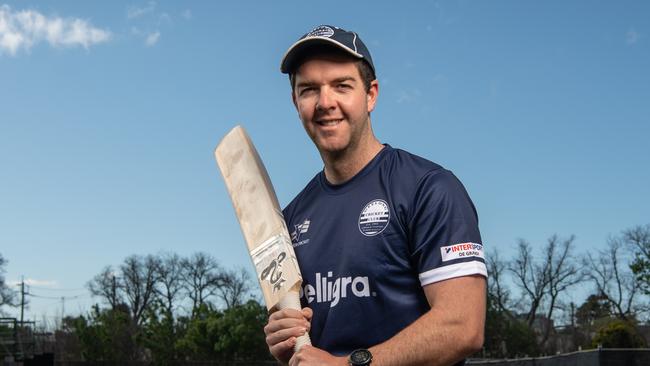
(22, 300)
(62, 309)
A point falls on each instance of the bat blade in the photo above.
(261, 221)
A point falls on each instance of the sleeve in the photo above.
(444, 237)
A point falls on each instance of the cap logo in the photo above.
(322, 31)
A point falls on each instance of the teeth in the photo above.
(330, 122)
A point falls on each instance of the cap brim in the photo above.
(296, 50)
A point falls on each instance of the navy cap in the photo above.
(326, 35)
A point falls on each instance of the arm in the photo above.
(450, 331)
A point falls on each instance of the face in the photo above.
(333, 104)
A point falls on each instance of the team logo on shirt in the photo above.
(374, 217)
(298, 231)
(463, 250)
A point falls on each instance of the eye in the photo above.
(307, 90)
(344, 86)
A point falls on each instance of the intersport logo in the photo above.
(333, 290)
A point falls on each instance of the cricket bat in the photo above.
(261, 222)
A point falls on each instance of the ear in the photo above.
(372, 95)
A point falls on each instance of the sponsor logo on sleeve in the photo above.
(463, 250)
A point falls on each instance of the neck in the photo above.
(342, 166)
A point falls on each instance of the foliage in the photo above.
(107, 335)
(7, 295)
(505, 336)
(232, 334)
(638, 238)
(618, 334)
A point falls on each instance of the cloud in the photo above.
(187, 14)
(33, 282)
(632, 36)
(26, 28)
(152, 39)
(135, 12)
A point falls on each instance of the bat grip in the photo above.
(292, 301)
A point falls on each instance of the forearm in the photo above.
(448, 333)
(428, 342)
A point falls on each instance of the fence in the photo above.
(598, 357)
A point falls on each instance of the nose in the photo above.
(325, 100)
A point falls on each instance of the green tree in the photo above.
(159, 335)
(506, 336)
(618, 334)
(107, 335)
(638, 238)
(235, 334)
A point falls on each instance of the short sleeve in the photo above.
(444, 237)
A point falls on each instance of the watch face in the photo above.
(360, 357)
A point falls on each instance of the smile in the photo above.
(329, 122)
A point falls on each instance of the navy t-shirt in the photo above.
(367, 246)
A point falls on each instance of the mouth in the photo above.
(328, 122)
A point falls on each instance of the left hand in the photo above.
(312, 356)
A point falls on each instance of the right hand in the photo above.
(283, 328)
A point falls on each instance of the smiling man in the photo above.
(387, 242)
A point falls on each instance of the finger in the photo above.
(284, 334)
(283, 347)
(307, 313)
(276, 325)
(286, 313)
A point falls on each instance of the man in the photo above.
(387, 242)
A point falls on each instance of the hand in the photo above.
(312, 356)
(283, 328)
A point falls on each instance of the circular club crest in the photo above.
(374, 217)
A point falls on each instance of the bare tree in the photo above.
(202, 276)
(613, 280)
(7, 295)
(234, 287)
(562, 273)
(531, 278)
(499, 293)
(139, 278)
(108, 286)
(170, 280)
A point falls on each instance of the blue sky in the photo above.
(108, 122)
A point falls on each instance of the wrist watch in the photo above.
(360, 357)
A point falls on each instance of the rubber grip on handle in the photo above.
(292, 301)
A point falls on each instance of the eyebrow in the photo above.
(303, 84)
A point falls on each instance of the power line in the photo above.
(57, 289)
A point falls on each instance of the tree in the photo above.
(618, 334)
(506, 336)
(498, 292)
(614, 282)
(170, 280)
(233, 334)
(139, 278)
(7, 295)
(108, 335)
(202, 276)
(235, 286)
(638, 238)
(531, 278)
(107, 286)
(594, 308)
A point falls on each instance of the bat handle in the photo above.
(292, 301)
